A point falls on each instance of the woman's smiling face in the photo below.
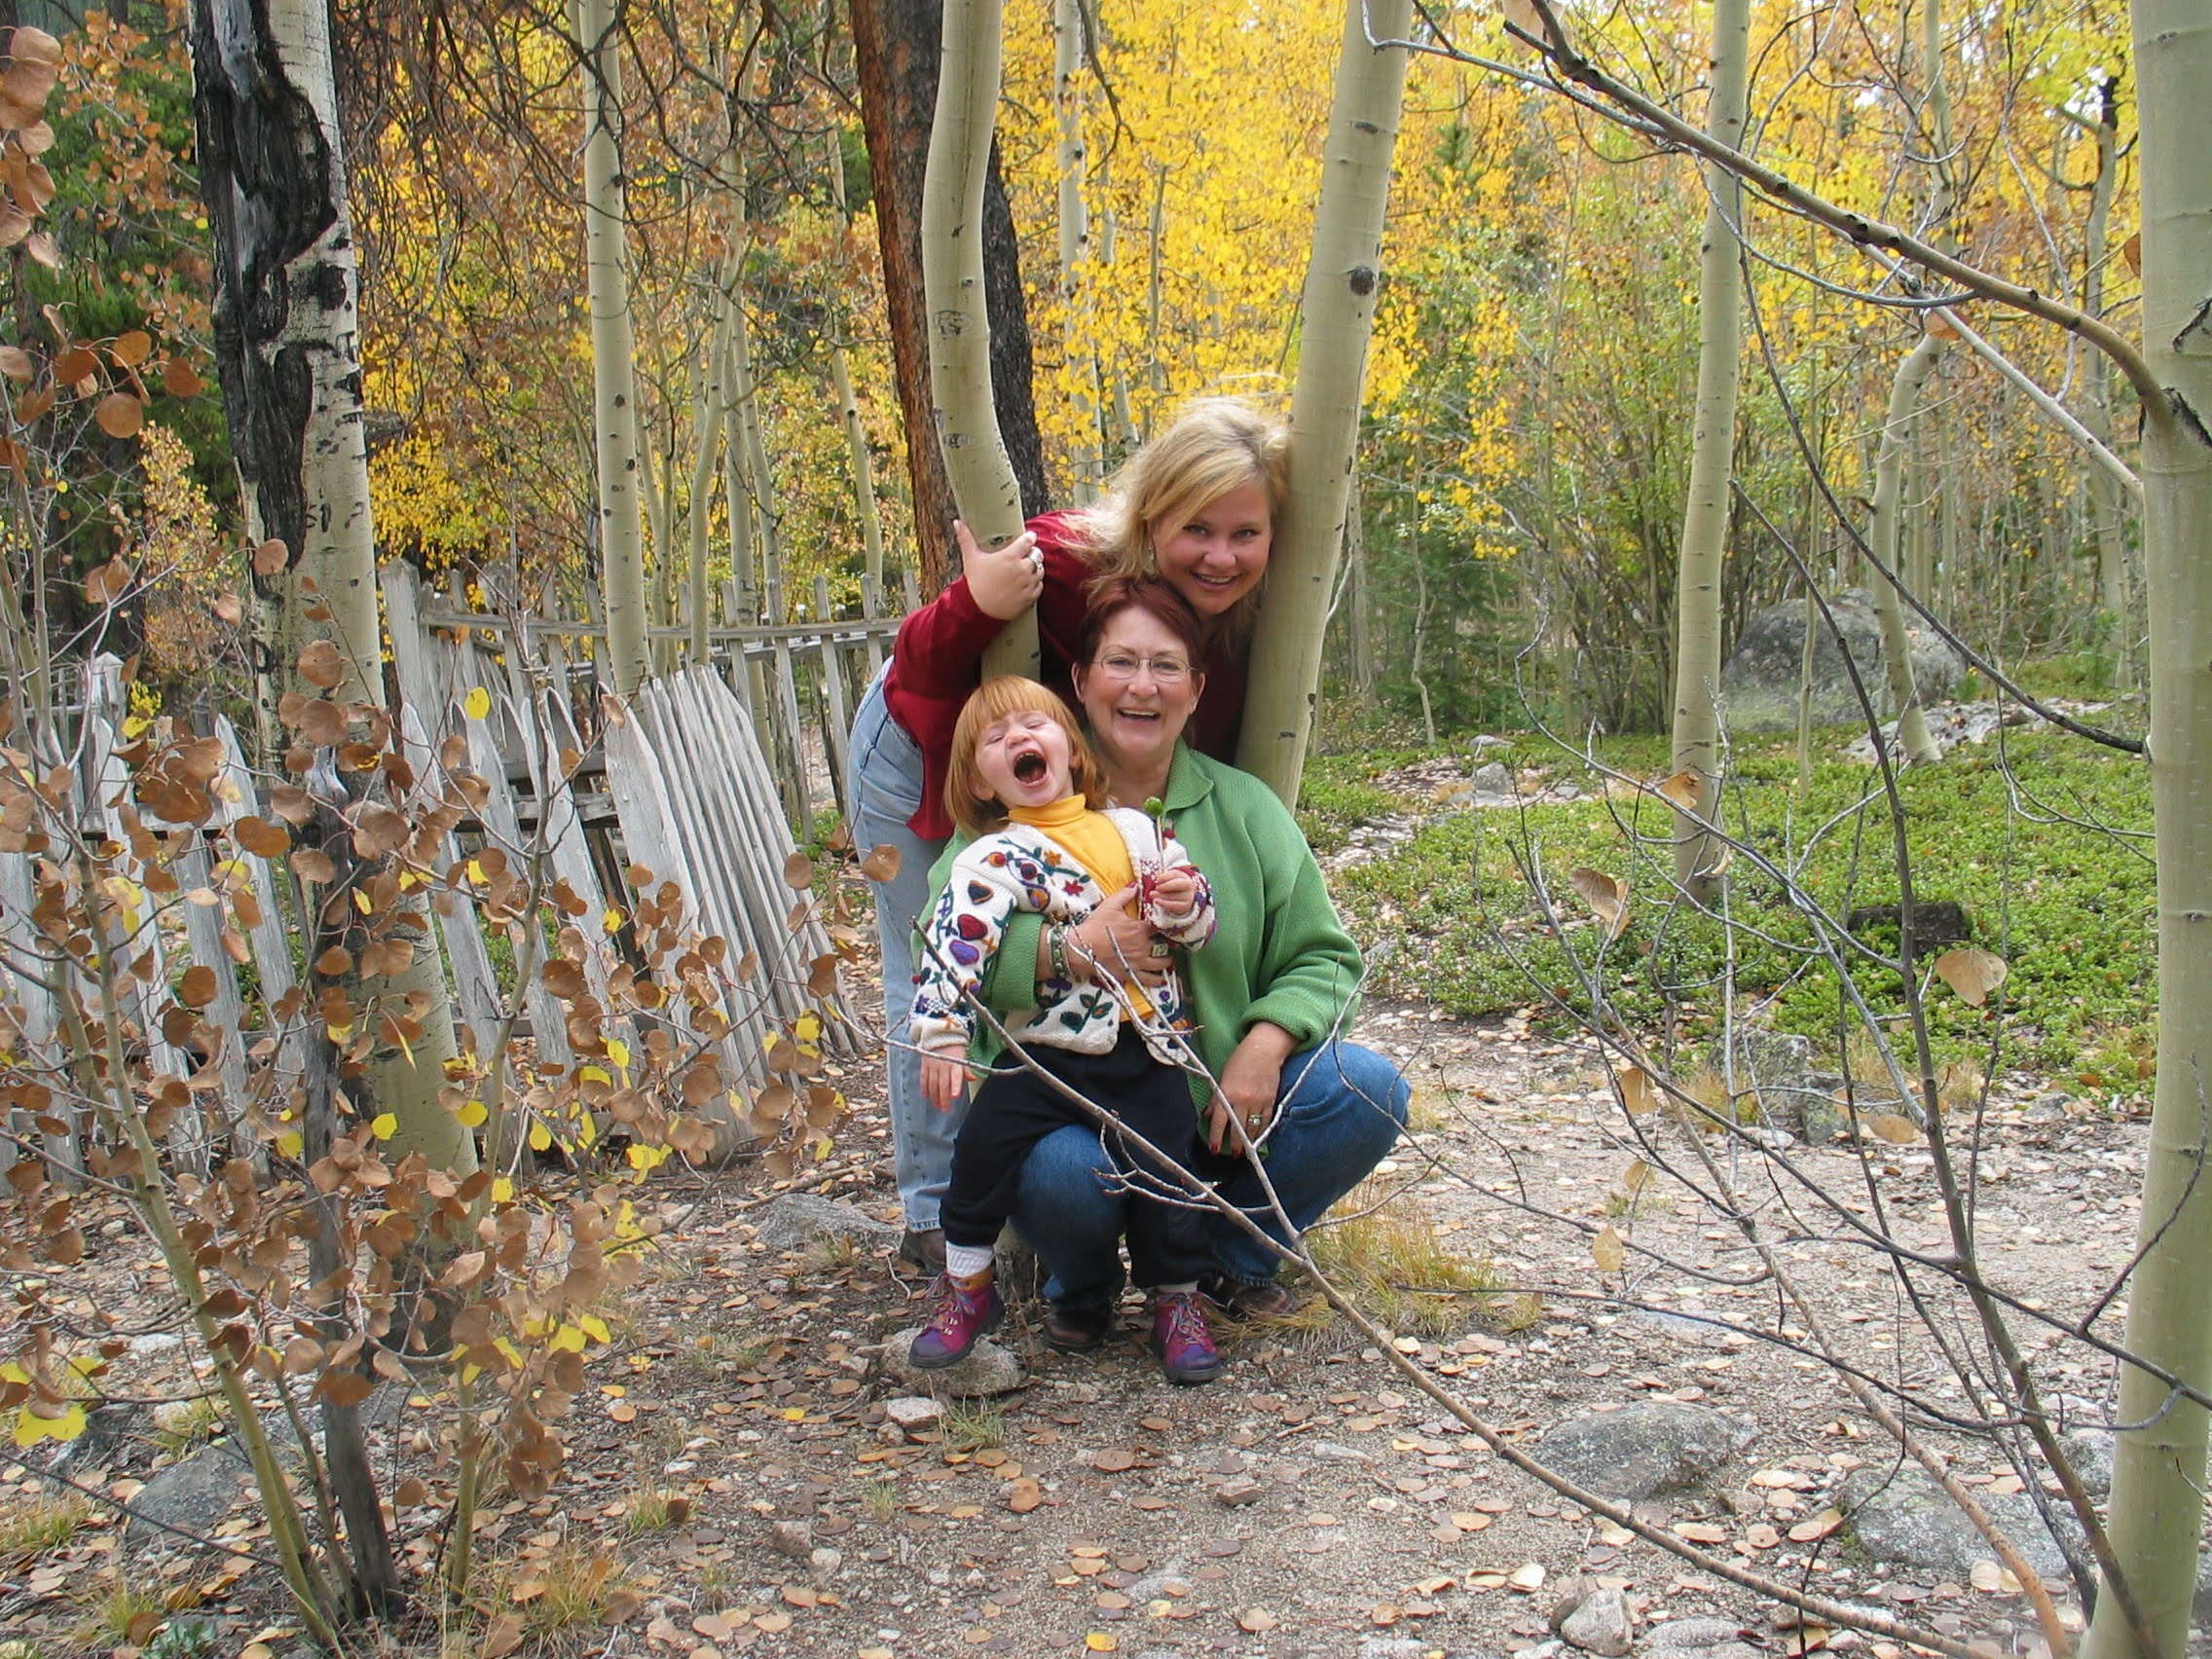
(1216, 554)
(1136, 718)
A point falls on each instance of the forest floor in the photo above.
(734, 1484)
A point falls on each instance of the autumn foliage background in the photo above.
(1525, 435)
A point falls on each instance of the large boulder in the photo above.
(795, 1220)
(1758, 687)
(1643, 1451)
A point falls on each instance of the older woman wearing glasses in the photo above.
(1298, 1111)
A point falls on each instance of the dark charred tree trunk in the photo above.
(895, 49)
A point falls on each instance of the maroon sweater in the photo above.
(939, 661)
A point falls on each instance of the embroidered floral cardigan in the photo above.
(1021, 871)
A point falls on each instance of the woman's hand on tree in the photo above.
(1003, 581)
(1250, 1085)
(944, 1075)
(1117, 945)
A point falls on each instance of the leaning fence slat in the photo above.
(64, 1159)
(641, 804)
(706, 845)
(836, 710)
(144, 985)
(549, 1026)
(798, 800)
(761, 827)
(274, 897)
(225, 1016)
(560, 825)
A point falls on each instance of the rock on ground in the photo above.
(1911, 1523)
(1909, 1520)
(1758, 687)
(796, 1219)
(914, 1414)
(194, 1494)
(989, 1369)
(1643, 1451)
(1600, 1625)
(1689, 1634)
(2091, 1450)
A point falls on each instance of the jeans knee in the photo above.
(1067, 1168)
(1377, 1094)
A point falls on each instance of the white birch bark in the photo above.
(1705, 511)
(1338, 312)
(1076, 333)
(707, 428)
(975, 463)
(266, 77)
(849, 411)
(2156, 1502)
(1889, 469)
(614, 394)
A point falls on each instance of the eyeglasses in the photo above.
(1124, 665)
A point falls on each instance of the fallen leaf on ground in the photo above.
(1256, 1621)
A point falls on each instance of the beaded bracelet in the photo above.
(1056, 947)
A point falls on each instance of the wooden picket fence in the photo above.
(700, 779)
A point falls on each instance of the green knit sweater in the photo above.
(1278, 952)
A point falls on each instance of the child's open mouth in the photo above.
(1028, 767)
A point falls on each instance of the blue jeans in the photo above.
(1340, 1108)
(883, 789)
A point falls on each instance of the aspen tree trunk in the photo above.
(1888, 468)
(287, 350)
(737, 488)
(1705, 514)
(768, 524)
(1358, 598)
(1932, 521)
(2108, 499)
(660, 515)
(984, 490)
(896, 49)
(2158, 1469)
(1336, 312)
(614, 392)
(1074, 248)
(706, 428)
(849, 408)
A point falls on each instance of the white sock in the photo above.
(1184, 1288)
(965, 1260)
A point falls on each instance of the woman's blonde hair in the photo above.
(1212, 445)
(993, 700)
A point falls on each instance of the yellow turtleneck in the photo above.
(1089, 836)
(1092, 841)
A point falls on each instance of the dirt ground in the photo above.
(732, 1469)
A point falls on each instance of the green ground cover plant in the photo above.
(2040, 837)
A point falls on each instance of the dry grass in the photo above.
(181, 1425)
(118, 1614)
(568, 1589)
(1386, 1257)
(44, 1524)
(970, 1426)
(656, 1510)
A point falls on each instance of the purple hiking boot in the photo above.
(961, 1309)
(1187, 1350)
